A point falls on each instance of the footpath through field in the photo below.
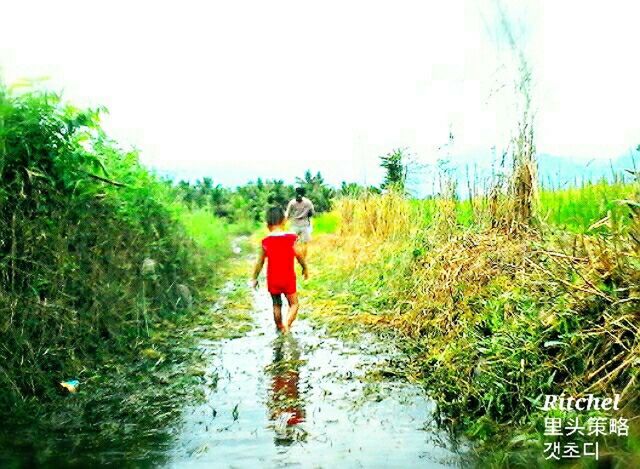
(302, 400)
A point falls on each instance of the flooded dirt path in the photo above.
(301, 401)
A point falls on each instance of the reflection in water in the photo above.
(286, 406)
(304, 404)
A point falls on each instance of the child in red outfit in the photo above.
(279, 249)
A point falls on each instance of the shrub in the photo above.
(78, 220)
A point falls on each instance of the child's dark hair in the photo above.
(301, 191)
(275, 216)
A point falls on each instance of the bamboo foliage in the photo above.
(77, 219)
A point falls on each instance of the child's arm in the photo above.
(258, 268)
(302, 262)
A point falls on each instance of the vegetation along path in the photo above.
(303, 399)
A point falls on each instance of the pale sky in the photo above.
(240, 89)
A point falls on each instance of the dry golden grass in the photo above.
(374, 216)
(490, 319)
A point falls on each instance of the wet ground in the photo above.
(302, 400)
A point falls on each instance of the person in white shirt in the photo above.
(299, 213)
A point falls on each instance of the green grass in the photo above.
(576, 209)
(209, 232)
(145, 388)
(464, 211)
(325, 223)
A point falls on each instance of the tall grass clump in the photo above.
(91, 252)
(491, 320)
(380, 216)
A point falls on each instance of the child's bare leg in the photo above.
(277, 311)
(303, 249)
(293, 308)
(277, 316)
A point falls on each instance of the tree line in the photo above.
(248, 201)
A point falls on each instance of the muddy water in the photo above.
(301, 400)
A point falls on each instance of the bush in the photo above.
(79, 219)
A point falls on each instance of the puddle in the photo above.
(297, 401)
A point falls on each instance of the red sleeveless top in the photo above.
(280, 254)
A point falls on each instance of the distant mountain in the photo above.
(556, 171)
(553, 172)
